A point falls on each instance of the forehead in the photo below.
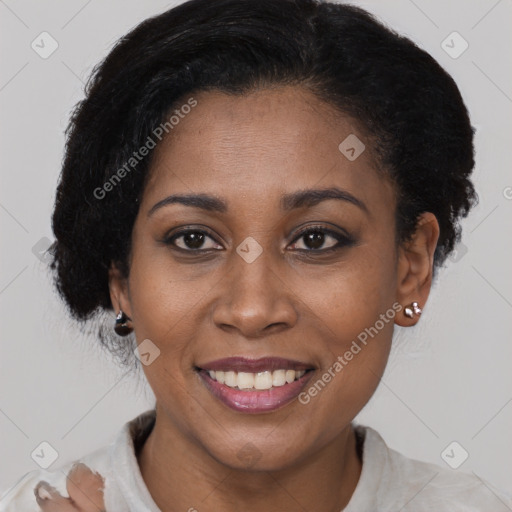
(261, 145)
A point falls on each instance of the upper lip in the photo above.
(243, 364)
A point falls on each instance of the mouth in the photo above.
(255, 385)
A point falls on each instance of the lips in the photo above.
(239, 370)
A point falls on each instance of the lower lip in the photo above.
(253, 401)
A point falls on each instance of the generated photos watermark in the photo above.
(342, 360)
(144, 150)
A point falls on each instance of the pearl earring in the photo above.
(412, 309)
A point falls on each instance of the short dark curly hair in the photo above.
(409, 106)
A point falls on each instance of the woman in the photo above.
(259, 190)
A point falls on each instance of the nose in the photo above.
(254, 299)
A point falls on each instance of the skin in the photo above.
(250, 150)
(84, 487)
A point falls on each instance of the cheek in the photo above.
(357, 333)
(169, 306)
(162, 295)
(355, 313)
(351, 296)
(355, 329)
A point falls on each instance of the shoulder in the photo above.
(103, 480)
(397, 482)
(63, 488)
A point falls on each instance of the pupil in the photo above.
(194, 240)
(315, 239)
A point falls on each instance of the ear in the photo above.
(119, 290)
(416, 266)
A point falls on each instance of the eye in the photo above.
(192, 240)
(315, 239)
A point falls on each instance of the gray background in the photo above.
(448, 378)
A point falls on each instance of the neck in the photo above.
(181, 475)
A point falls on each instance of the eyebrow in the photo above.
(311, 197)
(300, 199)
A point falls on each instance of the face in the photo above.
(257, 272)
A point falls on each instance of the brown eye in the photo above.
(192, 240)
(315, 239)
(319, 239)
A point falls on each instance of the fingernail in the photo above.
(43, 491)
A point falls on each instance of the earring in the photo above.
(412, 309)
(121, 327)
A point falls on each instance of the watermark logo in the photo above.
(44, 45)
(41, 250)
(352, 147)
(44, 455)
(249, 249)
(459, 251)
(249, 454)
(146, 352)
(454, 455)
(454, 45)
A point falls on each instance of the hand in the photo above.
(85, 490)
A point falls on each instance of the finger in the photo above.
(85, 488)
(50, 500)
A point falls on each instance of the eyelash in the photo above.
(342, 240)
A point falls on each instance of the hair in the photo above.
(405, 101)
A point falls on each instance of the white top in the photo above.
(110, 480)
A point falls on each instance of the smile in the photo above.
(273, 383)
(256, 381)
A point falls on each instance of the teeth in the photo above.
(290, 376)
(279, 378)
(230, 379)
(263, 380)
(260, 380)
(245, 380)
